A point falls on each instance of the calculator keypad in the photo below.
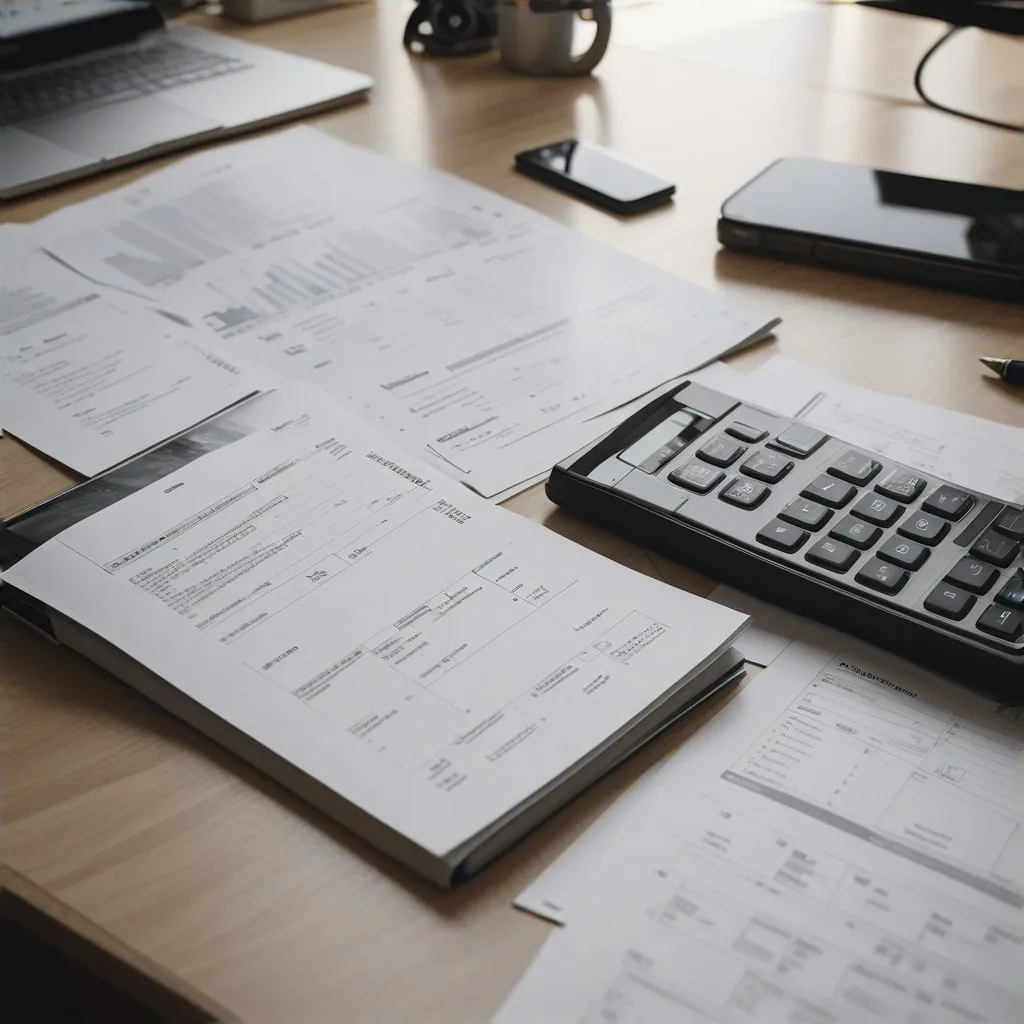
(829, 491)
(948, 502)
(767, 466)
(745, 493)
(784, 536)
(858, 520)
(927, 529)
(720, 451)
(855, 467)
(878, 510)
(950, 601)
(696, 476)
(806, 513)
(908, 554)
(902, 485)
(832, 554)
(993, 548)
(973, 575)
(856, 532)
(883, 576)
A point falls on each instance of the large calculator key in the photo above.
(832, 554)
(745, 493)
(1001, 622)
(972, 574)
(1012, 592)
(784, 536)
(829, 491)
(855, 467)
(745, 432)
(856, 532)
(949, 601)
(882, 576)
(902, 485)
(948, 502)
(767, 466)
(906, 553)
(1010, 524)
(802, 512)
(878, 510)
(720, 451)
(993, 548)
(925, 528)
(696, 476)
(799, 439)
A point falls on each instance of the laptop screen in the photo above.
(38, 31)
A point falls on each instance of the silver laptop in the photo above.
(140, 89)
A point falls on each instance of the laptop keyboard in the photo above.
(109, 79)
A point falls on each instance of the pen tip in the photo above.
(994, 364)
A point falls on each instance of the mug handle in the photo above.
(586, 62)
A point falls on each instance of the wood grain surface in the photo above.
(197, 864)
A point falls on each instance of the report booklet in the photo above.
(435, 673)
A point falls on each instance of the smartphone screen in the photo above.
(597, 169)
(975, 223)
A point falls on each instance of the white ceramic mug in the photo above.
(535, 36)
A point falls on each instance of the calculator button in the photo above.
(696, 476)
(1010, 524)
(767, 466)
(928, 529)
(902, 485)
(745, 493)
(856, 532)
(992, 548)
(855, 467)
(949, 601)
(783, 536)
(720, 451)
(877, 510)
(1001, 622)
(948, 502)
(832, 554)
(906, 553)
(806, 513)
(973, 575)
(1012, 593)
(879, 575)
(744, 432)
(829, 491)
(799, 439)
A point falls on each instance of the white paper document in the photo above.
(850, 847)
(772, 629)
(471, 329)
(975, 453)
(92, 382)
(435, 660)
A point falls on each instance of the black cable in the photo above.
(949, 33)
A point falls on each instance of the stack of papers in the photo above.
(476, 333)
(844, 842)
(92, 381)
(433, 672)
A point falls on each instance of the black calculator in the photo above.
(778, 508)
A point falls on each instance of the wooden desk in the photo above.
(167, 849)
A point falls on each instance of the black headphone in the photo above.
(452, 28)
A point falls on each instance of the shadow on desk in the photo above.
(158, 799)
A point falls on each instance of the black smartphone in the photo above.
(595, 174)
(943, 233)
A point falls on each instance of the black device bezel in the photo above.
(525, 163)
